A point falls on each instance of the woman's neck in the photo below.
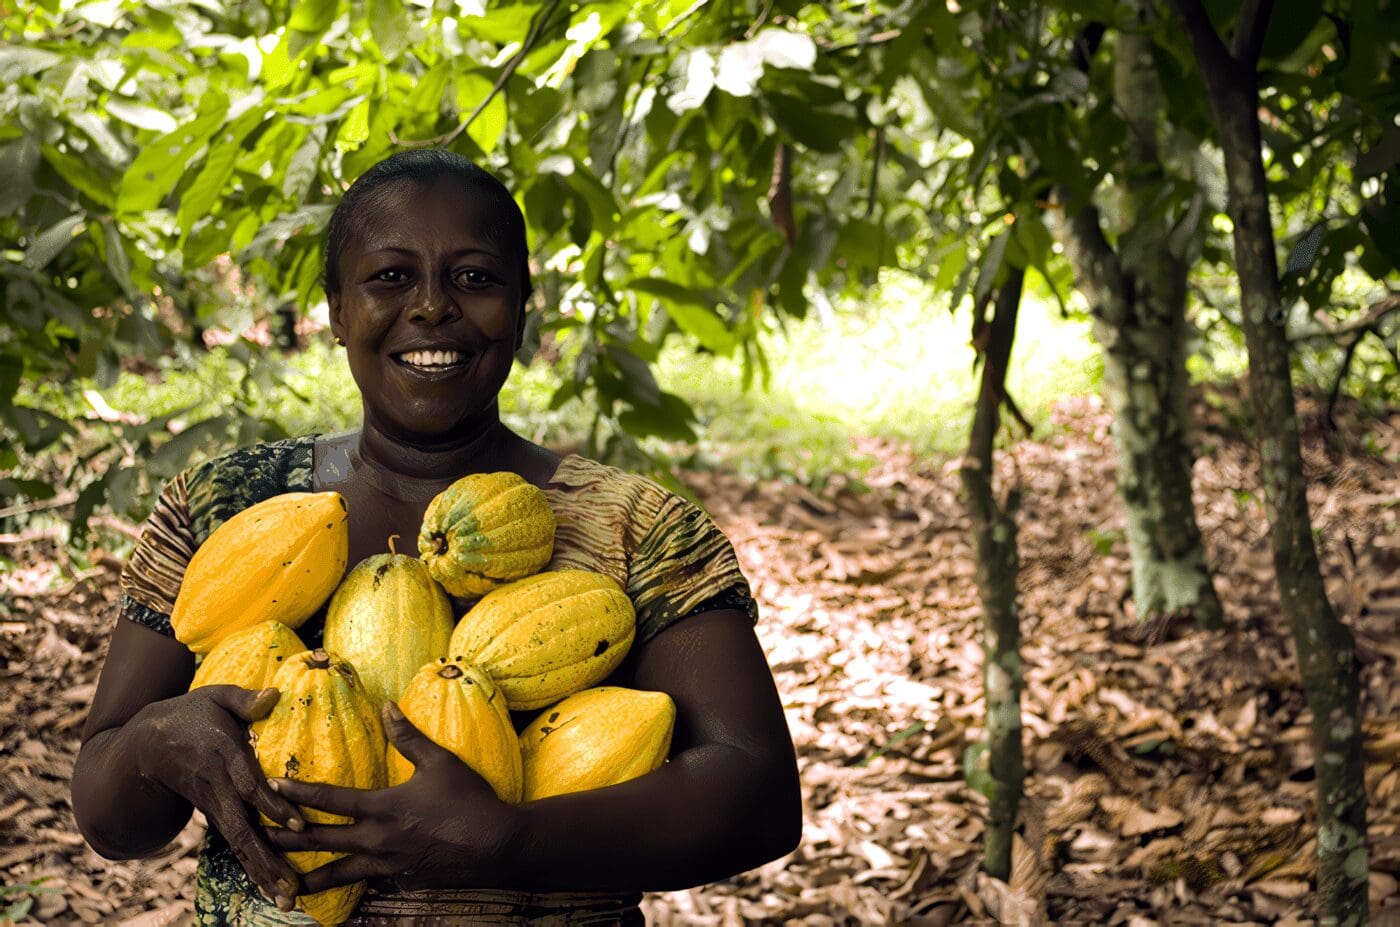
(477, 448)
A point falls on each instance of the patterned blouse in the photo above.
(663, 550)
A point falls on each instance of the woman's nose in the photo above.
(433, 304)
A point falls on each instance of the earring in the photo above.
(339, 342)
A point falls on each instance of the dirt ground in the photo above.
(1170, 774)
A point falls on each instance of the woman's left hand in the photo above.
(444, 827)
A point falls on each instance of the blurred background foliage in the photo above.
(758, 228)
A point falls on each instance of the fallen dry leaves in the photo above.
(1170, 770)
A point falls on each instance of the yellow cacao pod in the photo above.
(596, 738)
(249, 658)
(547, 636)
(460, 709)
(484, 530)
(388, 618)
(323, 729)
(277, 560)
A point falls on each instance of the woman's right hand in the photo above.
(196, 745)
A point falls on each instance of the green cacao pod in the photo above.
(484, 530)
(277, 560)
(249, 658)
(547, 636)
(388, 618)
(323, 729)
(596, 738)
(460, 709)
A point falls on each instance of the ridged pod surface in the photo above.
(388, 618)
(323, 729)
(460, 709)
(277, 560)
(249, 658)
(596, 738)
(484, 530)
(547, 636)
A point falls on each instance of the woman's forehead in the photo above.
(403, 211)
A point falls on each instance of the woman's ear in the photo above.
(337, 328)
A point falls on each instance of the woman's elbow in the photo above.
(777, 812)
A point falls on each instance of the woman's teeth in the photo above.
(432, 358)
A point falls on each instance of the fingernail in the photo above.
(296, 824)
(394, 711)
(272, 784)
(288, 888)
(285, 903)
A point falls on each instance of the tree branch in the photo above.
(1095, 261)
(1249, 31)
(1368, 322)
(1216, 64)
(533, 36)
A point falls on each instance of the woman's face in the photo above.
(429, 307)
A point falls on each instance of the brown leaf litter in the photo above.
(1170, 770)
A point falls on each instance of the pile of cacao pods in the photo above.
(532, 640)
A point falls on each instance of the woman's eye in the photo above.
(474, 277)
(389, 276)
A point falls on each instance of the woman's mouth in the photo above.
(431, 361)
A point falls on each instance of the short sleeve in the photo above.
(682, 564)
(151, 577)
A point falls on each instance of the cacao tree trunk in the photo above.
(1138, 297)
(1326, 652)
(994, 532)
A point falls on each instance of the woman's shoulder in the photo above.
(237, 478)
(586, 485)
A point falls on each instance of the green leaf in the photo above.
(488, 128)
(17, 61)
(11, 372)
(142, 116)
(818, 129)
(1304, 253)
(313, 15)
(636, 374)
(114, 255)
(690, 310)
(18, 160)
(355, 129)
(991, 264)
(84, 178)
(50, 242)
(669, 420)
(158, 168)
(198, 200)
(174, 455)
(915, 728)
(389, 22)
(302, 168)
(36, 427)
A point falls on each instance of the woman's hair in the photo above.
(425, 166)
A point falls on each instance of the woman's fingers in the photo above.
(248, 704)
(268, 869)
(418, 748)
(344, 871)
(250, 782)
(335, 799)
(328, 838)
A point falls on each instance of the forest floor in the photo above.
(1170, 774)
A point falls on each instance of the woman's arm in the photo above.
(153, 751)
(120, 812)
(727, 801)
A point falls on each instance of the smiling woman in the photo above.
(427, 280)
